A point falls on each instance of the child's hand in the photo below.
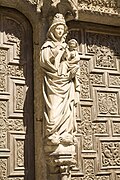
(73, 72)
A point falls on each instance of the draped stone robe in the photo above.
(59, 92)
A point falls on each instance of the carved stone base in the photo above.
(60, 161)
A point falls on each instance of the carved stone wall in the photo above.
(16, 113)
(104, 6)
(100, 6)
(98, 124)
(98, 115)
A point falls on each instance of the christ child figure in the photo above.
(70, 59)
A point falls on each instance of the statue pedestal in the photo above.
(60, 160)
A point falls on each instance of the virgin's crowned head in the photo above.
(58, 27)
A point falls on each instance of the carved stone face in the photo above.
(72, 45)
(59, 31)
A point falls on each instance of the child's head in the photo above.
(73, 44)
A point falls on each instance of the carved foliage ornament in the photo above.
(86, 128)
(102, 6)
(3, 169)
(110, 154)
(3, 117)
(116, 128)
(107, 103)
(14, 70)
(96, 79)
(20, 153)
(84, 79)
(89, 169)
(3, 65)
(114, 80)
(105, 49)
(19, 97)
(99, 128)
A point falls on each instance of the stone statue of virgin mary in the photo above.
(59, 91)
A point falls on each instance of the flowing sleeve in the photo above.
(45, 59)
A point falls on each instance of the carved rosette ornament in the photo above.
(61, 90)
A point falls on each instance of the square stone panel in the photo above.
(106, 104)
(114, 80)
(116, 128)
(105, 49)
(17, 97)
(108, 154)
(17, 150)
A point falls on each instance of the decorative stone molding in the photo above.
(104, 12)
(101, 6)
(60, 160)
(94, 6)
